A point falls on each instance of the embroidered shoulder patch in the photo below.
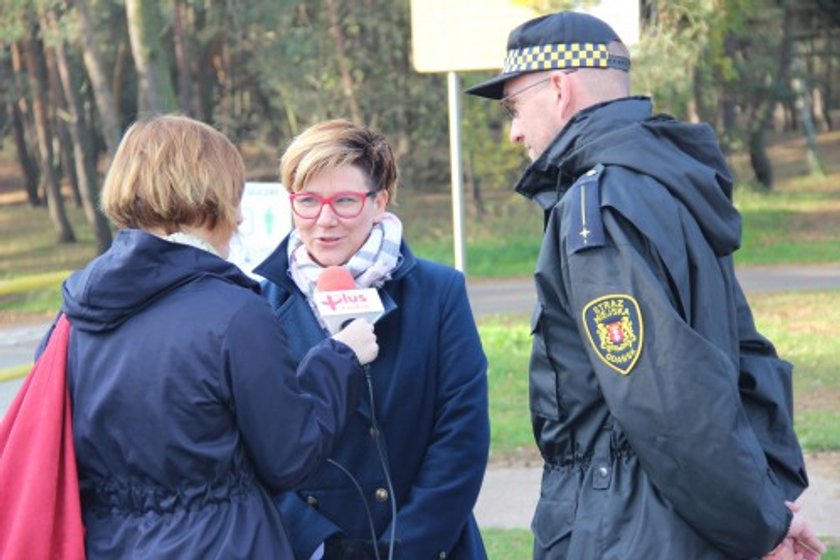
(615, 330)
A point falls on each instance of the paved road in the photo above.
(488, 297)
(506, 296)
(509, 495)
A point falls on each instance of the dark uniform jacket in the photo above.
(188, 411)
(430, 400)
(664, 418)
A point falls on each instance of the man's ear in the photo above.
(565, 92)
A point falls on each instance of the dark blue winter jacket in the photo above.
(430, 400)
(188, 408)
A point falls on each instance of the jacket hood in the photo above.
(684, 157)
(136, 270)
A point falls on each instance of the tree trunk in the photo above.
(829, 91)
(337, 35)
(763, 108)
(64, 145)
(704, 112)
(819, 108)
(183, 59)
(758, 159)
(108, 116)
(61, 140)
(16, 108)
(475, 188)
(55, 202)
(155, 92)
(28, 167)
(118, 79)
(84, 156)
(203, 71)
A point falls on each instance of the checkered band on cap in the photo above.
(562, 55)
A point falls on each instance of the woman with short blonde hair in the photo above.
(404, 476)
(188, 411)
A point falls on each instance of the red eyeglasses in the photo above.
(346, 204)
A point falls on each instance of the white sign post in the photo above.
(462, 35)
(266, 220)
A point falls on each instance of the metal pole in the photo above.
(454, 88)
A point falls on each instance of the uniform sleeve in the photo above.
(766, 386)
(289, 417)
(675, 395)
(445, 490)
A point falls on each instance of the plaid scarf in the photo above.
(370, 267)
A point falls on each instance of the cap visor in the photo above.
(494, 88)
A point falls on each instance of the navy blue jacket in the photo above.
(188, 411)
(430, 396)
(665, 419)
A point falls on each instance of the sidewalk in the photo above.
(509, 495)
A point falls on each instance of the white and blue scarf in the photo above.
(370, 267)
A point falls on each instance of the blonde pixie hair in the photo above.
(331, 144)
(172, 171)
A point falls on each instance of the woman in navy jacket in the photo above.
(427, 409)
(175, 364)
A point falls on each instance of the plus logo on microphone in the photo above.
(344, 299)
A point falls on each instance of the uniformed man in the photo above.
(663, 416)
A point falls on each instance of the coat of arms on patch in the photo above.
(615, 330)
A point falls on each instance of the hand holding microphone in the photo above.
(358, 335)
(348, 312)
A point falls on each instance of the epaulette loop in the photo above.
(586, 229)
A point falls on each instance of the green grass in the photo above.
(29, 244)
(801, 325)
(517, 544)
(35, 282)
(789, 227)
(503, 242)
(508, 544)
(796, 224)
(507, 342)
(38, 293)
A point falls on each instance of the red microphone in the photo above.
(334, 278)
(339, 301)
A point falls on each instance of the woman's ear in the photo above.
(381, 203)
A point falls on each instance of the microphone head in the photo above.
(335, 278)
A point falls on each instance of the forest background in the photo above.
(764, 73)
(75, 73)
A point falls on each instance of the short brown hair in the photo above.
(170, 171)
(330, 144)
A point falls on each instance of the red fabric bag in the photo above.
(40, 512)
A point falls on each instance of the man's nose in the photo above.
(516, 136)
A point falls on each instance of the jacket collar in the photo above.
(557, 168)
